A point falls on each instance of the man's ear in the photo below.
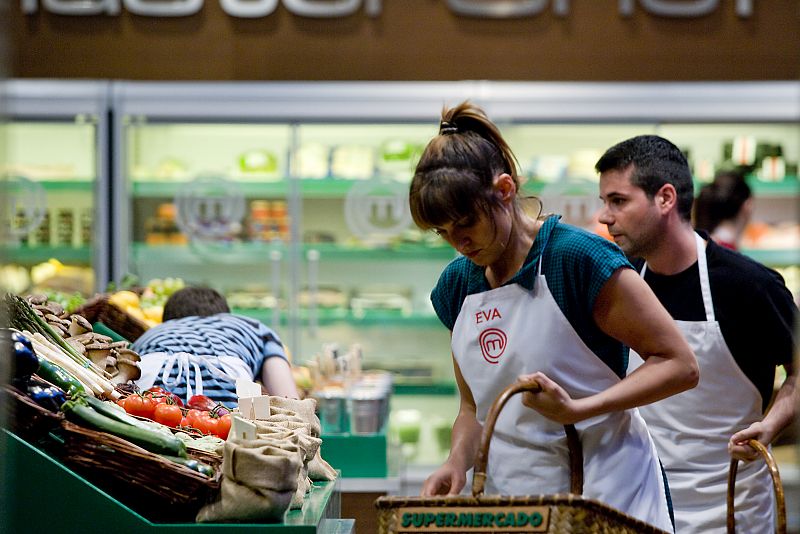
(666, 198)
(504, 186)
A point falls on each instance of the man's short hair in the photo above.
(195, 301)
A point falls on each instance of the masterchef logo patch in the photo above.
(493, 344)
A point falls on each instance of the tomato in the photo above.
(192, 416)
(206, 424)
(161, 395)
(224, 426)
(149, 406)
(201, 402)
(168, 414)
(134, 405)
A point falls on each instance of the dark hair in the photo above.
(656, 162)
(194, 301)
(720, 200)
(455, 175)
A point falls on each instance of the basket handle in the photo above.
(780, 524)
(573, 442)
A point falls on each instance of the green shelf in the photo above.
(435, 388)
(38, 478)
(774, 258)
(333, 316)
(788, 187)
(389, 253)
(309, 188)
(30, 255)
(249, 252)
(68, 185)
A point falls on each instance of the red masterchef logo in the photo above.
(493, 344)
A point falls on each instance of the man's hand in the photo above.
(738, 447)
(447, 480)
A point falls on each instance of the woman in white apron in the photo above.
(506, 324)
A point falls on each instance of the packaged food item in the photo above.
(65, 226)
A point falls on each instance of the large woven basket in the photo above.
(561, 513)
(777, 486)
(159, 489)
(98, 308)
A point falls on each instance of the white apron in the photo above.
(227, 368)
(692, 429)
(508, 331)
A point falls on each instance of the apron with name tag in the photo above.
(692, 429)
(508, 331)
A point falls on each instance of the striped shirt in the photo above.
(216, 335)
(576, 265)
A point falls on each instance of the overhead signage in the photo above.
(490, 9)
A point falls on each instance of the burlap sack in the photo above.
(305, 409)
(319, 469)
(259, 480)
(238, 503)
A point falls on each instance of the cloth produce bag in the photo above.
(259, 481)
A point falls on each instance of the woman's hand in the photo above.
(552, 401)
(447, 480)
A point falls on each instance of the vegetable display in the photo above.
(80, 412)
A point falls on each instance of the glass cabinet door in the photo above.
(368, 270)
(53, 184)
(208, 206)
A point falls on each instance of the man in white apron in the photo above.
(646, 185)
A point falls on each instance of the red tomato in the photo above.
(162, 394)
(193, 415)
(201, 402)
(185, 422)
(168, 414)
(134, 405)
(206, 424)
(224, 426)
(149, 406)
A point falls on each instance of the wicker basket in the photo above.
(160, 489)
(25, 418)
(780, 502)
(564, 513)
(99, 309)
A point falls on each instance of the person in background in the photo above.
(723, 208)
(201, 348)
(536, 300)
(738, 317)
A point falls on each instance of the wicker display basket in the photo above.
(98, 308)
(780, 502)
(25, 418)
(161, 490)
(562, 513)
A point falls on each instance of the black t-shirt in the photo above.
(754, 309)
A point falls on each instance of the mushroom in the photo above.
(98, 352)
(36, 299)
(89, 338)
(79, 325)
(128, 354)
(128, 370)
(111, 366)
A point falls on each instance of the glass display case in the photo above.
(55, 186)
(291, 198)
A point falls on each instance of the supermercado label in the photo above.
(490, 9)
(473, 519)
